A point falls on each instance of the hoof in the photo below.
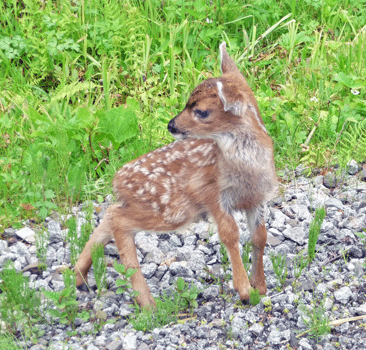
(83, 287)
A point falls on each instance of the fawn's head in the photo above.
(218, 106)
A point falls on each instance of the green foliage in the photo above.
(9, 342)
(247, 249)
(316, 319)
(353, 143)
(314, 231)
(279, 267)
(124, 284)
(65, 301)
(99, 266)
(167, 308)
(42, 241)
(254, 297)
(20, 306)
(166, 311)
(76, 241)
(299, 264)
(187, 293)
(225, 261)
(96, 84)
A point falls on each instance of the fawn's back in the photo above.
(169, 187)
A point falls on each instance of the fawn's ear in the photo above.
(230, 94)
(227, 64)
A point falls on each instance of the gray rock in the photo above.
(146, 242)
(180, 269)
(333, 202)
(211, 292)
(361, 310)
(330, 180)
(202, 229)
(9, 232)
(111, 249)
(273, 240)
(129, 341)
(352, 167)
(21, 249)
(301, 211)
(343, 295)
(143, 346)
(197, 261)
(54, 230)
(317, 199)
(148, 270)
(279, 219)
(154, 256)
(257, 329)
(26, 234)
(237, 324)
(363, 175)
(355, 223)
(274, 338)
(175, 241)
(295, 234)
(3, 245)
(305, 344)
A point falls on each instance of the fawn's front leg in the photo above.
(258, 233)
(229, 235)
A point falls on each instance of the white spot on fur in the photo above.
(141, 191)
(153, 190)
(165, 198)
(155, 206)
(144, 171)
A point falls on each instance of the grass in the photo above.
(94, 85)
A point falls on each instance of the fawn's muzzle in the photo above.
(171, 127)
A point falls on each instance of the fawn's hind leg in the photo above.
(124, 238)
(258, 233)
(102, 234)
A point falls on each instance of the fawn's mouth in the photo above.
(179, 136)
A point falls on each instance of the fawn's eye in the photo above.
(201, 114)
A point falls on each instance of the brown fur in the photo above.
(222, 163)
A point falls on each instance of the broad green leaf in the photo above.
(119, 124)
(345, 80)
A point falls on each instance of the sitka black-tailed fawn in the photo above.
(221, 163)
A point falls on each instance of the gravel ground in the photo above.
(335, 280)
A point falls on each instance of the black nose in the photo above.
(171, 127)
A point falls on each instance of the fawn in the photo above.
(222, 162)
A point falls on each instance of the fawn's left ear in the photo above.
(230, 94)
(227, 64)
